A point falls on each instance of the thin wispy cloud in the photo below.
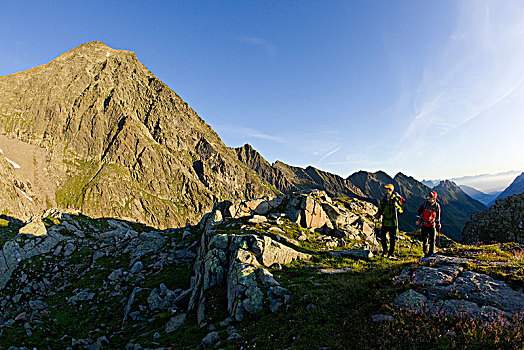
(477, 71)
(333, 151)
(262, 43)
(260, 135)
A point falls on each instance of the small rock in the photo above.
(137, 267)
(257, 219)
(175, 323)
(335, 271)
(21, 317)
(210, 339)
(115, 275)
(302, 236)
(382, 318)
(37, 304)
(274, 229)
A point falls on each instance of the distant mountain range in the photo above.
(482, 197)
(486, 183)
(516, 187)
(457, 206)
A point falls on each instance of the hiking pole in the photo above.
(397, 233)
(413, 239)
(438, 236)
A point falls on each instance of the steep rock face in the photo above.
(116, 141)
(287, 178)
(502, 222)
(247, 155)
(371, 184)
(516, 187)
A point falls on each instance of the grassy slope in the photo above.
(325, 310)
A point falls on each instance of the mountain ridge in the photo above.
(457, 206)
(516, 187)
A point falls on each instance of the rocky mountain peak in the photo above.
(448, 184)
(116, 141)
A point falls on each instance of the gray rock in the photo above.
(148, 242)
(115, 275)
(69, 249)
(483, 290)
(175, 323)
(130, 302)
(274, 252)
(82, 296)
(266, 277)
(276, 230)
(412, 302)
(404, 276)
(210, 339)
(155, 301)
(334, 271)
(438, 259)
(137, 267)
(254, 300)
(455, 309)
(37, 305)
(382, 318)
(354, 253)
(441, 275)
(58, 250)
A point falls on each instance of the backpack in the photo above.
(428, 216)
(401, 199)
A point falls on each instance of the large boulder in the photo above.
(34, 229)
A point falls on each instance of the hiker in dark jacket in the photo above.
(429, 214)
(388, 208)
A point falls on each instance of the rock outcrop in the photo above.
(240, 262)
(502, 222)
(446, 289)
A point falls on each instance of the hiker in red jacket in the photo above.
(429, 214)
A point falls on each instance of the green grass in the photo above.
(324, 311)
(335, 311)
(8, 229)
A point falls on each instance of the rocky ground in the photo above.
(298, 271)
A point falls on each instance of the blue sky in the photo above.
(433, 89)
